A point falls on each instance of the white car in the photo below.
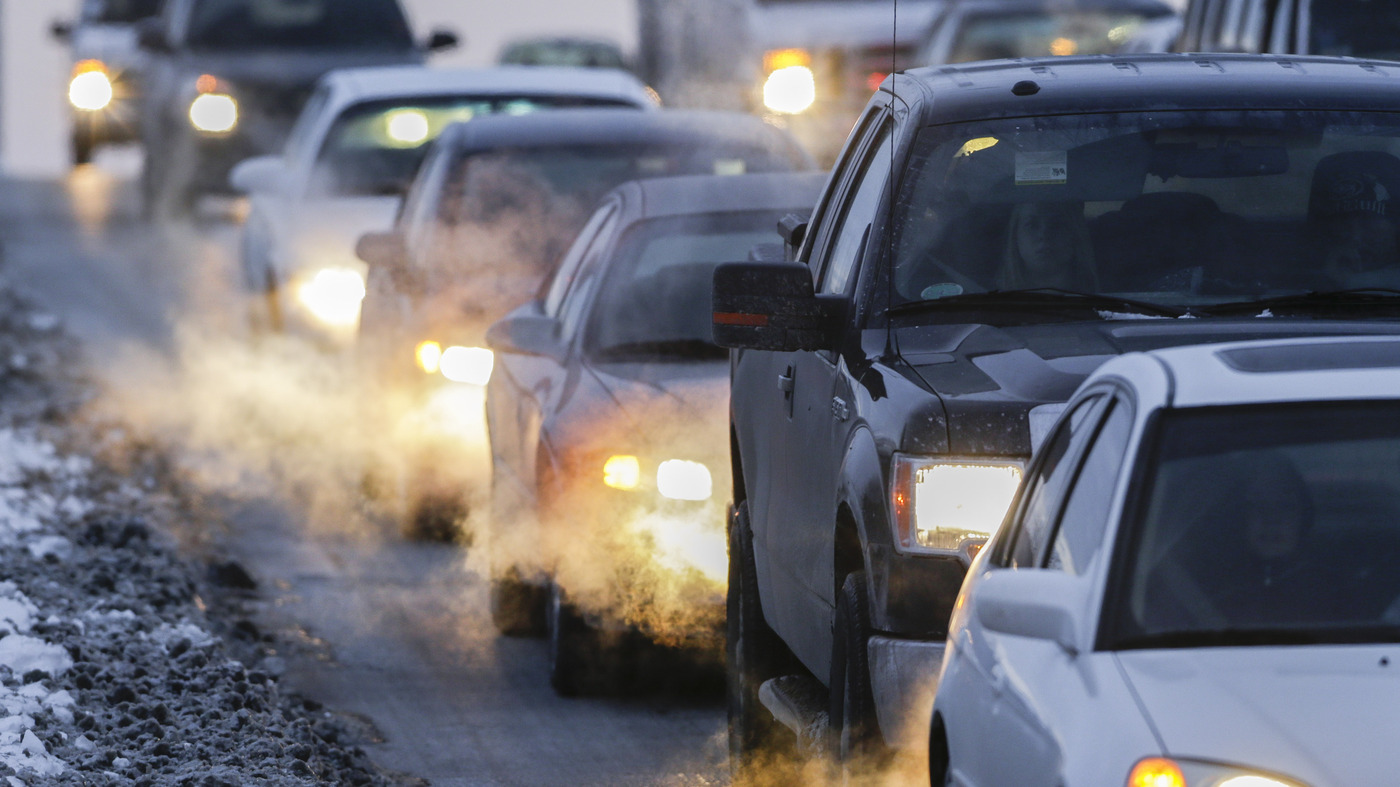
(1197, 585)
(355, 148)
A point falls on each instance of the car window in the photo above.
(824, 215)
(119, 11)
(593, 233)
(1045, 488)
(1080, 533)
(573, 308)
(300, 141)
(853, 227)
(298, 24)
(418, 214)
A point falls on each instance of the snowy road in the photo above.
(393, 631)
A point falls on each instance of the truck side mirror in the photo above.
(773, 306)
(524, 332)
(385, 250)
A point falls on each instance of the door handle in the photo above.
(785, 381)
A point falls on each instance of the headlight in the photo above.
(213, 111)
(333, 296)
(429, 357)
(91, 88)
(681, 480)
(467, 365)
(791, 90)
(1164, 772)
(947, 506)
(622, 472)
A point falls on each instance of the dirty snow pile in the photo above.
(113, 668)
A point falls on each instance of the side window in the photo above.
(586, 248)
(416, 217)
(1045, 489)
(825, 214)
(850, 233)
(574, 308)
(299, 141)
(1080, 534)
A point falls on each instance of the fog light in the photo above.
(333, 296)
(214, 113)
(468, 365)
(791, 90)
(681, 480)
(91, 88)
(622, 472)
(429, 356)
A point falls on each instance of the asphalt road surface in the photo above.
(394, 632)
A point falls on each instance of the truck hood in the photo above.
(832, 23)
(289, 70)
(1316, 713)
(1006, 373)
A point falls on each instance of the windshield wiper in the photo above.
(1361, 296)
(1041, 298)
(670, 348)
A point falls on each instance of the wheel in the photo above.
(855, 731)
(80, 147)
(759, 746)
(431, 514)
(581, 660)
(517, 606)
(940, 771)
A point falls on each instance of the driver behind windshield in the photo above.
(1354, 221)
(1048, 245)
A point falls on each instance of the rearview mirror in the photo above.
(439, 40)
(386, 250)
(526, 332)
(1036, 603)
(259, 175)
(772, 306)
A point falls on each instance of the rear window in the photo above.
(298, 24)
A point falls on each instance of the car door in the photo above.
(816, 431)
(1035, 687)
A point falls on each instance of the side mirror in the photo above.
(792, 228)
(260, 175)
(772, 306)
(525, 332)
(150, 36)
(1033, 603)
(382, 249)
(61, 30)
(439, 40)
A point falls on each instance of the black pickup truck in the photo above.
(990, 235)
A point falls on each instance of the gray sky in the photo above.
(34, 68)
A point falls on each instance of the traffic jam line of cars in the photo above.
(1049, 435)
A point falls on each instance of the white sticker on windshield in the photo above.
(1048, 168)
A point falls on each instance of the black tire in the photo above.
(940, 771)
(760, 748)
(856, 740)
(581, 663)
(435, 515)
(81, 147)
(517, 606)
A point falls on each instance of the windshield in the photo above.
(119, 11)
(298, 24)
(1184, 209)
(1265, 525)
(992, 36)
(655, 301)
(377, 147)
(1355, 28)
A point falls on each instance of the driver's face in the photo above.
(1359, 243)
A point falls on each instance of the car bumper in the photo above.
(904, 676)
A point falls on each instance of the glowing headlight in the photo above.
(91, 88)
(622, 472)
(429, 356)
(214, 113)
(1165, 772)
(333, 296)
(407, 127)
(468, 365)
(941, 506)
(681, 480)
(791, 90)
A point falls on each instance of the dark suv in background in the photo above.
(1346, 28)
(227, 78)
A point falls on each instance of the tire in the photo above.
(517, 607)
(81, 147)
(940, 770)
(434, 516)
(759, 746)
(581, 661)
(856, 741)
